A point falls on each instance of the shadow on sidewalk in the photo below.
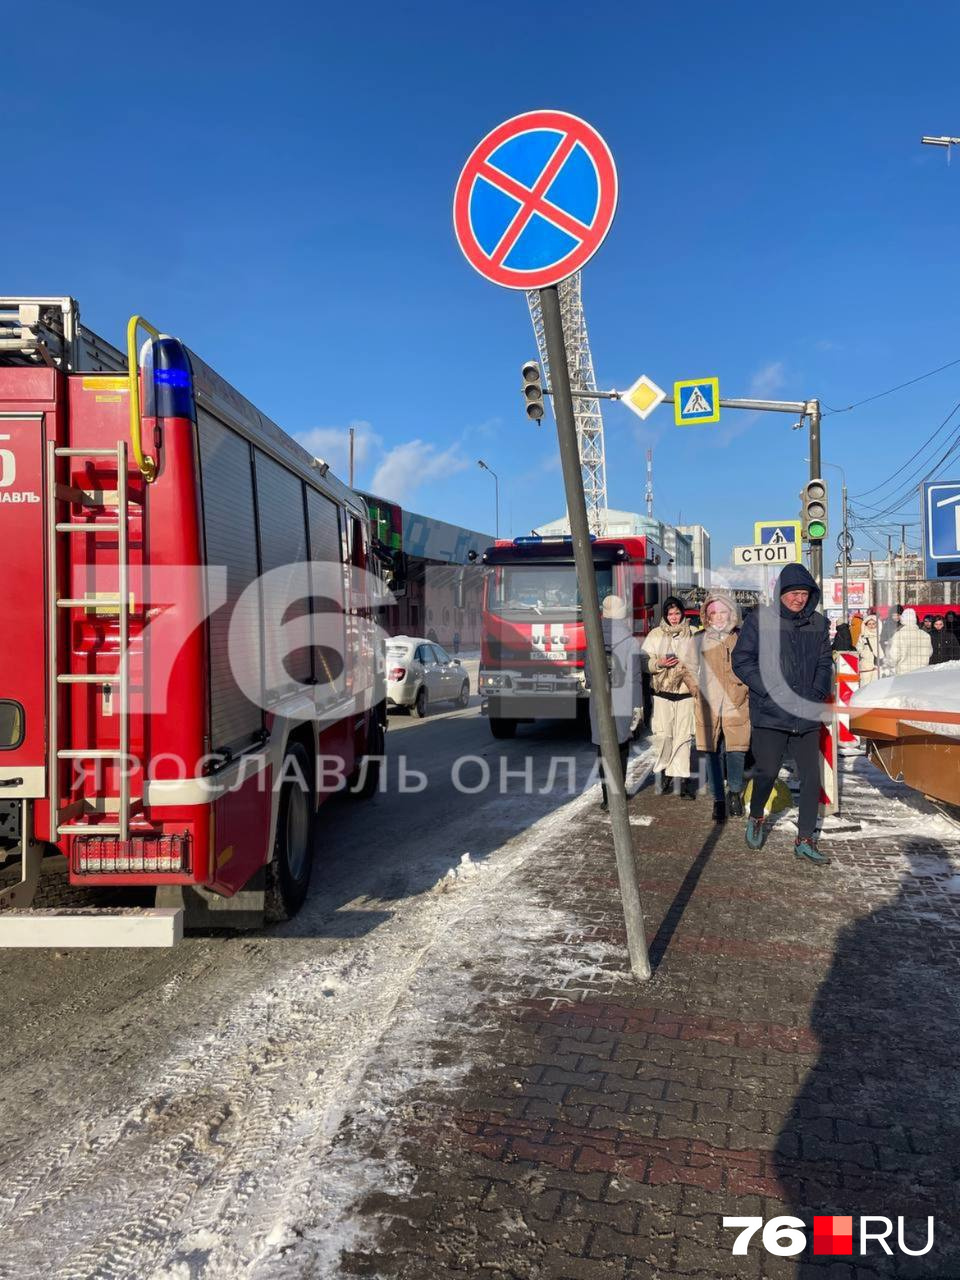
(875, 1128)
(674, 914)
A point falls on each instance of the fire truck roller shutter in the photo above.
(329, 633)
(283, 546)
(230, 533)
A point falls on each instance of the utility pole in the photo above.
(816, 548)
(846, 554)
(351, 456)
(903, 560)
(891, 581)
(649, 493)
(590, 604)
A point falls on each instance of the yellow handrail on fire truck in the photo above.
(147, 465)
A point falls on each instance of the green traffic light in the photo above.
(816, 530)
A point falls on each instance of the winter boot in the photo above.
(719, 811)
(806, 847)
(735, 804)
(754, 833)
(666, 784)
(688, 788)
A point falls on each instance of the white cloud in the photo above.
(764, 385)
(767, 380)
(333, 445)
(406, 467)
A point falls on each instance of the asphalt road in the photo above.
(139, 1090)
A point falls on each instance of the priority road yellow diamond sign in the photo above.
(643, 397)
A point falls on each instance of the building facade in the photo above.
(700, 542)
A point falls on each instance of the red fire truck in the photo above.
(534, 646)
(160, 731)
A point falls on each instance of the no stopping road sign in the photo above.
(535, 200)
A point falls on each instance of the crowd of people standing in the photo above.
(903, 645)
(736, 688)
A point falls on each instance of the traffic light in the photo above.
(814, 515)
(532, 390)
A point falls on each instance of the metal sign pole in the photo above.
(596, 656)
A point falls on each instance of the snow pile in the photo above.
(929, 689)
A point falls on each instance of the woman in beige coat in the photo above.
(722, 709)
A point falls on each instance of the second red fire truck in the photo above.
(534, 646)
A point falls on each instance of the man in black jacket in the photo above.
(783, 656)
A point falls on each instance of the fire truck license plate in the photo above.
(551, 655)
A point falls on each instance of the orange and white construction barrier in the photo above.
(829, 767)
(847, 682)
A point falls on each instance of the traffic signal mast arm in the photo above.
(802, 407)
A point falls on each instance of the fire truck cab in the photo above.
(161, 736)
(534, 646)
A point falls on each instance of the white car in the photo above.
(420, 672)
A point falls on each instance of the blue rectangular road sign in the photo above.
(940, 522)
(696, 400)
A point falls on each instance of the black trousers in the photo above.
(769, 746)
(624, 749)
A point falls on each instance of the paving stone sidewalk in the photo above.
(796, 1052)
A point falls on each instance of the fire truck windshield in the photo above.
(544, 589)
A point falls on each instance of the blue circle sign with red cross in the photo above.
(535, 200)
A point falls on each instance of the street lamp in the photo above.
(496, 482)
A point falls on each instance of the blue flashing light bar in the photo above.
(172, 380)
(171, 377)
(536, 538)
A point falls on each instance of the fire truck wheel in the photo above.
(420, 706)
(371, 774)
(288, 875)
(503, 728)
(464, 698)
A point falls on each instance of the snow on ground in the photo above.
(239, 1149)
(257, 1126)
(874, 805)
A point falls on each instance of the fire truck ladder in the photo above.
(57, 493)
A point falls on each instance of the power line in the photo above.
(903, 496)
(889, 392)
(929, 440)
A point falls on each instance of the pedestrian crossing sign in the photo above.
(778, 532)
(696, 400)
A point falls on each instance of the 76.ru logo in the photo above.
(833, 1235)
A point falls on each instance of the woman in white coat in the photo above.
(869, 650)
(911, 647)
(670, 657)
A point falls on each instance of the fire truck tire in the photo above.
(420, 706)
(288, 874)
(501, 728)
(371, 775)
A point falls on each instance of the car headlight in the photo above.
(495, 681)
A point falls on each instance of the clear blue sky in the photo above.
(273, 184)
